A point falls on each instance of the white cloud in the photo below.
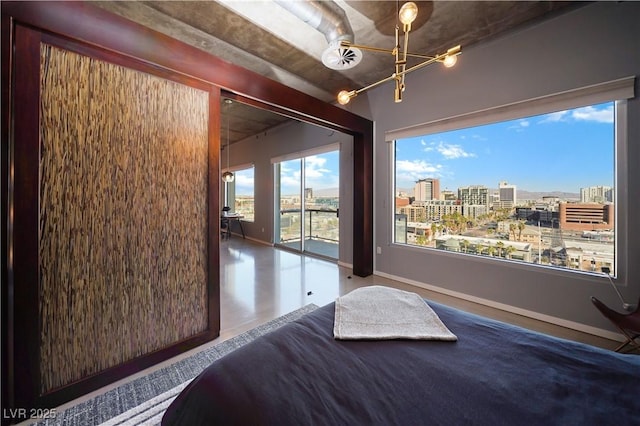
(520, 125)
(451, 151)
(314, 167)
(311, 172)
(591, 113)
(411, 171)
(290, 181)
(244, 184)
(315, 161)
(244, 180)
(554, 117)
(428, 147)
(588, 113)
(415, 166)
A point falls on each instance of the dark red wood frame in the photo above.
(89, 30)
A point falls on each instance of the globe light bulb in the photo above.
(450, 61)
(344, 97)
(408, 13)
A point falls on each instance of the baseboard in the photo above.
(512, 309)
(345, 265)
(255, 240)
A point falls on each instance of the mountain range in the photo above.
(521, 194)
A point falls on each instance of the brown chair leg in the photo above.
(631, 341)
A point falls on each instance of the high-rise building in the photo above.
(473, 211)
(586, 216)
(474, 195)
(413, 213)
(448, 195)
(507, 194)
(596, 194)
(427, 189)
(436, 209)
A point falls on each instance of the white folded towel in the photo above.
(378, 312)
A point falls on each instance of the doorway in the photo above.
(307, 202)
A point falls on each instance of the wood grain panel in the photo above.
(123, 215)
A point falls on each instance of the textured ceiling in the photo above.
(264, 37)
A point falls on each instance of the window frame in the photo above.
(233, 192)
(617, 91)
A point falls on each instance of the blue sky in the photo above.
(322, 172)
(561, 151)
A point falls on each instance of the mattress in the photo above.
(495, 373)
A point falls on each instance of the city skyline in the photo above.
(557, 152)
(322, 172)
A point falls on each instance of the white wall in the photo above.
(593, 44)
(289, 138)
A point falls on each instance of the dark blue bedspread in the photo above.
(495, 374)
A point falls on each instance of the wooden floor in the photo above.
(260, 283)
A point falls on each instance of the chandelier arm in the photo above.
(417, 55)
(389, 51)
(424, 64)
(370, 48)
(377, 83)
(407, 30)
(406, 46)
(406, 71)
(401, 62)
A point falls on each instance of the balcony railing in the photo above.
(319, 224)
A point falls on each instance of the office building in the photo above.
(427, 189)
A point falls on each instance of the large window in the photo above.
(538, 189)
(241, 193)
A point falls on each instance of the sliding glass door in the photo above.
(307, 203)
(289, 208)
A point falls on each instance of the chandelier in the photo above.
(407, 14)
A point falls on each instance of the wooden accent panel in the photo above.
(363, 203)
(22, 333)
(22, 226)
(123, 215)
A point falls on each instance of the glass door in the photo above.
(307, 217)
(288, 214)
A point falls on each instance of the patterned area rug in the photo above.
(144, 400)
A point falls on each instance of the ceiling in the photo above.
(264, 37)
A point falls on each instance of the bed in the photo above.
(493, 374)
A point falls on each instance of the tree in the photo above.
(499, 247)
(512, 229)
(508, 250)
(521, 227)
(465, 245)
